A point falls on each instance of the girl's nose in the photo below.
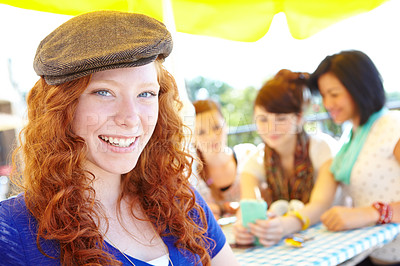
(127, 114)
(272, 123)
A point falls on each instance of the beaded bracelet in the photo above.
(385, 212)
(304, 219)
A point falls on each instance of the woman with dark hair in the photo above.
(105, 172)
(219, 164)
(285, 166)
(368, 164)
(354, 70)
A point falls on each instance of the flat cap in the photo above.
(98, 41)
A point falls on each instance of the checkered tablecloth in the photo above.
(326, 248)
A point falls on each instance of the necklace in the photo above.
(123, 254)
(126, 257)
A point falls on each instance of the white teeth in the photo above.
(118, 142)
(123, 142)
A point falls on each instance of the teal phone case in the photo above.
(253, 210)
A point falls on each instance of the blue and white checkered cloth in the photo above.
(326, 247)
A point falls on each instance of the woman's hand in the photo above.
(242, 234)
(269, 232)
(341, 218)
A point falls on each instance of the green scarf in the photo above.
(347, 156)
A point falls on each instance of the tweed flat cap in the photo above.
(98, 41)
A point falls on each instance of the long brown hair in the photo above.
(58, 190)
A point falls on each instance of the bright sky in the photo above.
(238, 64)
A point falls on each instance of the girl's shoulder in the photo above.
(18, 235)
(322, 147)
(13, 211)
(323, 142)
(385, 132)
(390, 119)
(243, 151)
(13, 219)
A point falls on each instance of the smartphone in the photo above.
(252, 210)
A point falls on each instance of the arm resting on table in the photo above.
(322, 196)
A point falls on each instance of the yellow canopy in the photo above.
(238, 20)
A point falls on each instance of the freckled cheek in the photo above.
(149, 121)
(84, 124)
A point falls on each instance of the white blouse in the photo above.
(376, 174)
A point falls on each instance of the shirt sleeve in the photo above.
(11, 248)
(214, 231)
(18, 231)
(254, 164)
(322, 148)
(387, 130)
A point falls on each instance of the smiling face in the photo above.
(116, 116)
(210, 133)
(276, 129)
(337, 100)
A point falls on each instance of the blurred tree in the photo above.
(237, 108)
(202, 88)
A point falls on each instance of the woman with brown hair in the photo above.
(105, 172)
(220, 164)
(285, 166)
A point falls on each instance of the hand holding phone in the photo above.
(252, 210)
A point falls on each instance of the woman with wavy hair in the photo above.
(104, 168)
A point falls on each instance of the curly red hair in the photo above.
(58, 190)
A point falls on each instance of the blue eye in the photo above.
(105, 93)
(147, 94)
